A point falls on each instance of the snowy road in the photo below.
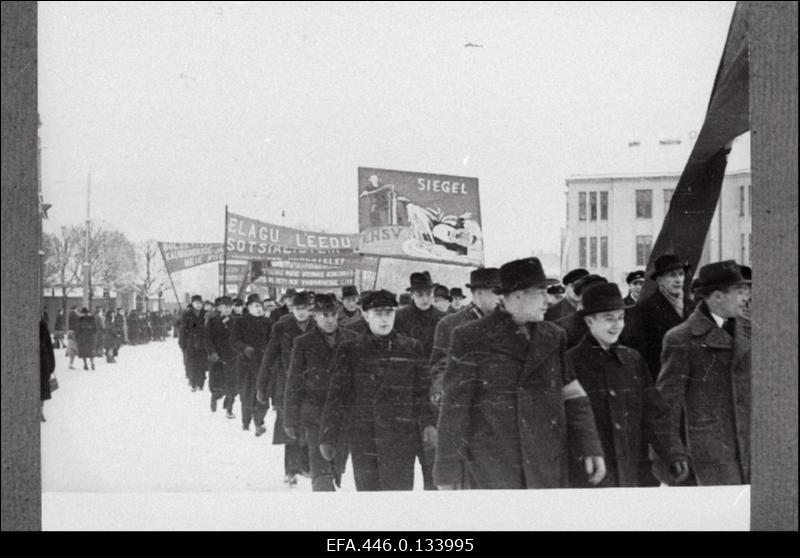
(135, 426)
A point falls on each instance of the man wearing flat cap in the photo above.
(705, 377)
(635, 280)
(651, 318)
(349, 308)
(569, 303)
(307, 388)
(512, 409)
(629, 412)
(358, 323)
(418, 321)
(574, 324)
(379, 380)
(191, 343)
(249, 336)
(221, 357)
(272, 380)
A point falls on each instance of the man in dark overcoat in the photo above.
(574, 324)
(635, 281)
(307, 387)
(629, 413)
(250, 334)
(379, 380)
(512, 409)
(191, 343)
(86, 334)
(705, 377)
(569, 303)
(349, 308)
(418, 320)
(222, 378)
(652, 317)
(272, 380)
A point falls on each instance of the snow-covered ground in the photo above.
(129, 447)
(135, 426)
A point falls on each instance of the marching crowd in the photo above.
(534, 383)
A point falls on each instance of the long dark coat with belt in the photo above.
(86, 336)
(705, 380)
(647, 323)
(382, 381)
(275, 367)
(629, 414)
(192, 330)
(441, 343)
(505, 409)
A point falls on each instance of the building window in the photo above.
(603, 251)
(593, 252)
(643, 246)
(667, 199)
(743, 251)
(644, 204)
(749, 200)
(604, 206)
(593, 206)
(741, 202)
(582, 252)
(581, 206)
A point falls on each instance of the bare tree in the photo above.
(60, 250)
(151, 274)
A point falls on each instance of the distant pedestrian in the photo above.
(191, 343)
(59, 329)
(47, 364)
(250, 334)
(87, 337)
(221, 357)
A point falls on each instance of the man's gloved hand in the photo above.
(678, 471)
(261, 397)
(429, 436)
(595, 468)
(213, 357)
(249, 351)
(327, 451)
(291, 431)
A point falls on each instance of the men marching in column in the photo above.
(191, 343)
(221, 357)
(629, 413)
(379, 379)
(512, 409)
(574, 324)
(418, 321)
(705, 377)
(307, 387)
(249, 336)
(272, 380)
(349, 307)
(569, 303)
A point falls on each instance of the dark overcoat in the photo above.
(217, 339)
(705, 380)
(192, 331)
(575, 327)
(629, 414)
(357, 323)
(419, 324)
(47, 360)
(441, 343)
(647, 323)
(382, 381)
(86, 336)
(560, 309)
(250, 331)
(505, 411)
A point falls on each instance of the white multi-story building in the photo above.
(613, 219)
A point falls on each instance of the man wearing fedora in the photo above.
(249, 336)
(442, 299)
(418, 321)
(629, 413)
(705, 377)
(272, 380)
(574, 324)
(635, 281)
(458, 299)
(482, 283)
(221, 357)
(349, 308)
(569, 303)
(512, 409)
(379, 381)
(191, 343)
(307, 388)
(651, 318)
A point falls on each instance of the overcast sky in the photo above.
(179, 108)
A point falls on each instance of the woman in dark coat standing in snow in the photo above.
(86, 333)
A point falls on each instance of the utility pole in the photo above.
(87, 270)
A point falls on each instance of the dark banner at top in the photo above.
(183, 255)
(249, 239)
(419, 216)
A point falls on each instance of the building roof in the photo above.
(653, 157)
